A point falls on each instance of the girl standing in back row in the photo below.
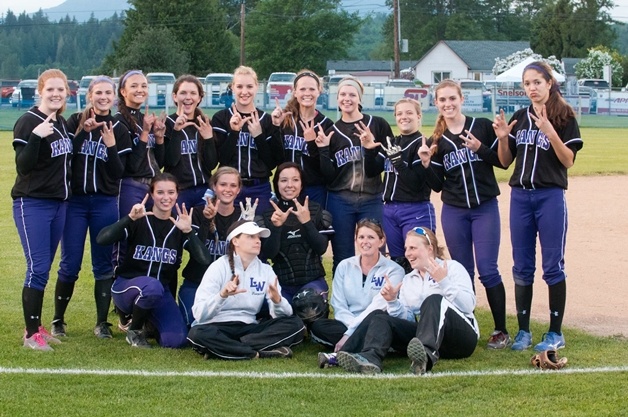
(460, 163)
(43, 153)
(544, 138)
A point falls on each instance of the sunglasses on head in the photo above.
(421, 231)
(373, 221)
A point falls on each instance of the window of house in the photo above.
(439, 76)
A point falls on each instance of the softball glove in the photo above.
(548, 359)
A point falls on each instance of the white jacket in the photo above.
(210, 307)
(352, 301)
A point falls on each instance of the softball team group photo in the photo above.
(257, 198)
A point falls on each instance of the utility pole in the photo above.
(242, 16)
(396, 36)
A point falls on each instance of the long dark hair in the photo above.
(122, 107)
(293, 104)
(231, 247)
(187, 78)
(282, 167)
(558, 110)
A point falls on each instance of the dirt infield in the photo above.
(596, 259)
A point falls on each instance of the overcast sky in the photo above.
(620, 12)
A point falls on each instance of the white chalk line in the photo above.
(323, 375)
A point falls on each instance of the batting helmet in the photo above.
(309, 305)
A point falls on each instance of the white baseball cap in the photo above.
(248, 228)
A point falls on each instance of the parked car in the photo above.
(81, 93)
(25, 94)
(279, 85)
(400, 83)
(216, 86)
(74, 85)
(6, 88)
(595, 83)
(161, 79)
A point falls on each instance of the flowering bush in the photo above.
(502, 65)
(593, 65)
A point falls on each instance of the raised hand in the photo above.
(184, 219)
(542, 122)
(470, 142)
(91, 123)
(309, 133)
(390, 149)
(278, 115)
(273, 291)
(232, 287)
(437, 271)
(159, 127)
(248, 212)
(255, 128)
(139, 210)
(106, 132)
(389, 291)
(366, 137)
(279, 216)
(204, 127)
(237, 121)
(322, 139)
(182, 119)
(426, 152)
(501, 127)
(210, 209)
(302, 211)
(45, 128)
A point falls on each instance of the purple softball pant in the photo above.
(400, 218)
(40, 225)
(150, 294)
(544, 212)
(477, 229)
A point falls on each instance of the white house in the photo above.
(464, 60)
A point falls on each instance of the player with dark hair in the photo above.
(352, 195)
(43, 155)
(190, 148)
(247, 139)
(234, 290)
(544, 139)
(299, 235)
(459, 163)
(212, 219)
(439, 293)
(155, 240)
(406, 195)
(355, 289)
(300, 123)
(102, 144)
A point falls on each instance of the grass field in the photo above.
(88, 377)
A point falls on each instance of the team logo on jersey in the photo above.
(292, 234)
(388, 166)
(151, 140)
(295, 143)
(246, 140)
(155, 254)
(60, 147)
(257, 286)
(188, 147)
(96, 149)
(459, 157)
(377, 282)
(346, 155)
(532, 137)
(216, 248)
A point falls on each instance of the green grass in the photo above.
(294, 387)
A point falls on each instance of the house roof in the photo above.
(355, 66)
(480, 55)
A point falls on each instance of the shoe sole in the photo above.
(418, 356)
(322, 360)
(543, 348)
(351, 364)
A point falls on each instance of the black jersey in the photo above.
(42, 164)
(252, 157)
(466, 178)
(404, 178)
(189, 157)
(146, 158)
(303, 153)
(154, 247)
(97, 168)
(296, 248)
(342, 162)
(213, 237)
(537, 165)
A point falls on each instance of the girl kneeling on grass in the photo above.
(430, 313)
(154, 239)
(232, 295)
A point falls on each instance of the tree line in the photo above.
(203, 36)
